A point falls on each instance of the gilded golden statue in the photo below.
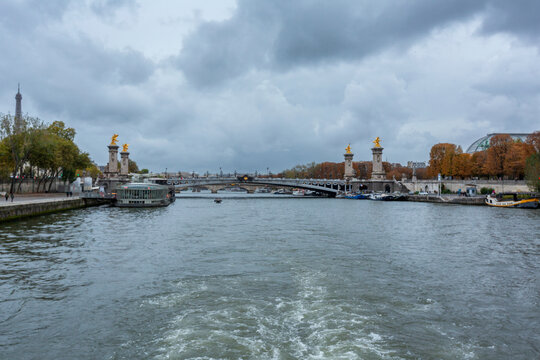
(125, 147)
(377, 142)
(348, 149)
(114, 139)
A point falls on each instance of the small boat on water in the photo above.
(143, 195)
(282, 192)
(357, 196)
(218, 200)
(380, 197)
(502, 200)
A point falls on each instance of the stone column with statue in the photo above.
(112, 166)
(349, 170)
(378, 169)
(124, 163)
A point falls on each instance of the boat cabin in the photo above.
(143, 195)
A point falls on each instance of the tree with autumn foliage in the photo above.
(515, 158)
(441, 159)
(462, 166)
(496, 153)
(478, 162)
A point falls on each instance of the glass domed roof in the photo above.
(484, 142)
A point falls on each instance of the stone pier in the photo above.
(378, 169)
(124, 163)
(112, 166)
(349, 170)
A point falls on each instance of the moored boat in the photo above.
(357, 196)
(514, 202)
(143, 195)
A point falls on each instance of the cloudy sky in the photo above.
(250, 85)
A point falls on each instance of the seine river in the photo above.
(272, 278)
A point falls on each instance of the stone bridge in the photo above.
(249, 183)
(330, 187)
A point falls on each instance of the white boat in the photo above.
(298, 192)
(282, 192)
(143, 195)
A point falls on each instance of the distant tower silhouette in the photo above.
(18, 111)
(18, 97)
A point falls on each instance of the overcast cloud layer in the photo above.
(251, 85)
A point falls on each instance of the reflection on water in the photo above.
(271, 278)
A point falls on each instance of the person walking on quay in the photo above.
(7, 196)
(12, 196)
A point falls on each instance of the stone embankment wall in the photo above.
(31, 185)
(454, 185)
(18, 211)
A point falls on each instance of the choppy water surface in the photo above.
(272, 279)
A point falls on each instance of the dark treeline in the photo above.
(30, 148)
(363, 169)
(505, 158)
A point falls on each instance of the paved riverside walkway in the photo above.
(26, 205)
(34, 198)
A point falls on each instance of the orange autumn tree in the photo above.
(441, 158)
(462, 165)
(515, 158)
(478, 162)
(496, 154)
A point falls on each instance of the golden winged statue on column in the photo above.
(377, 142)
(125, 147)
(114, 139)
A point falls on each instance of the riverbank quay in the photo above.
(448, 199)
(41, 204)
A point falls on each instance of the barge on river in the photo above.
(143, 195)
(503, 200)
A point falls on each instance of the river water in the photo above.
(272, 278)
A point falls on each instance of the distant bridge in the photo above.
(331, 187)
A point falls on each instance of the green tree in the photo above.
(59, 128)
(132, 166)
(532, 171)
(18, 135)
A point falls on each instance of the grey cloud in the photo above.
(20, 16)
(520, 17)
(340, 31)
(285, 34)
(282, 35)
(303, 79)
(222, 50)
(108, 7)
